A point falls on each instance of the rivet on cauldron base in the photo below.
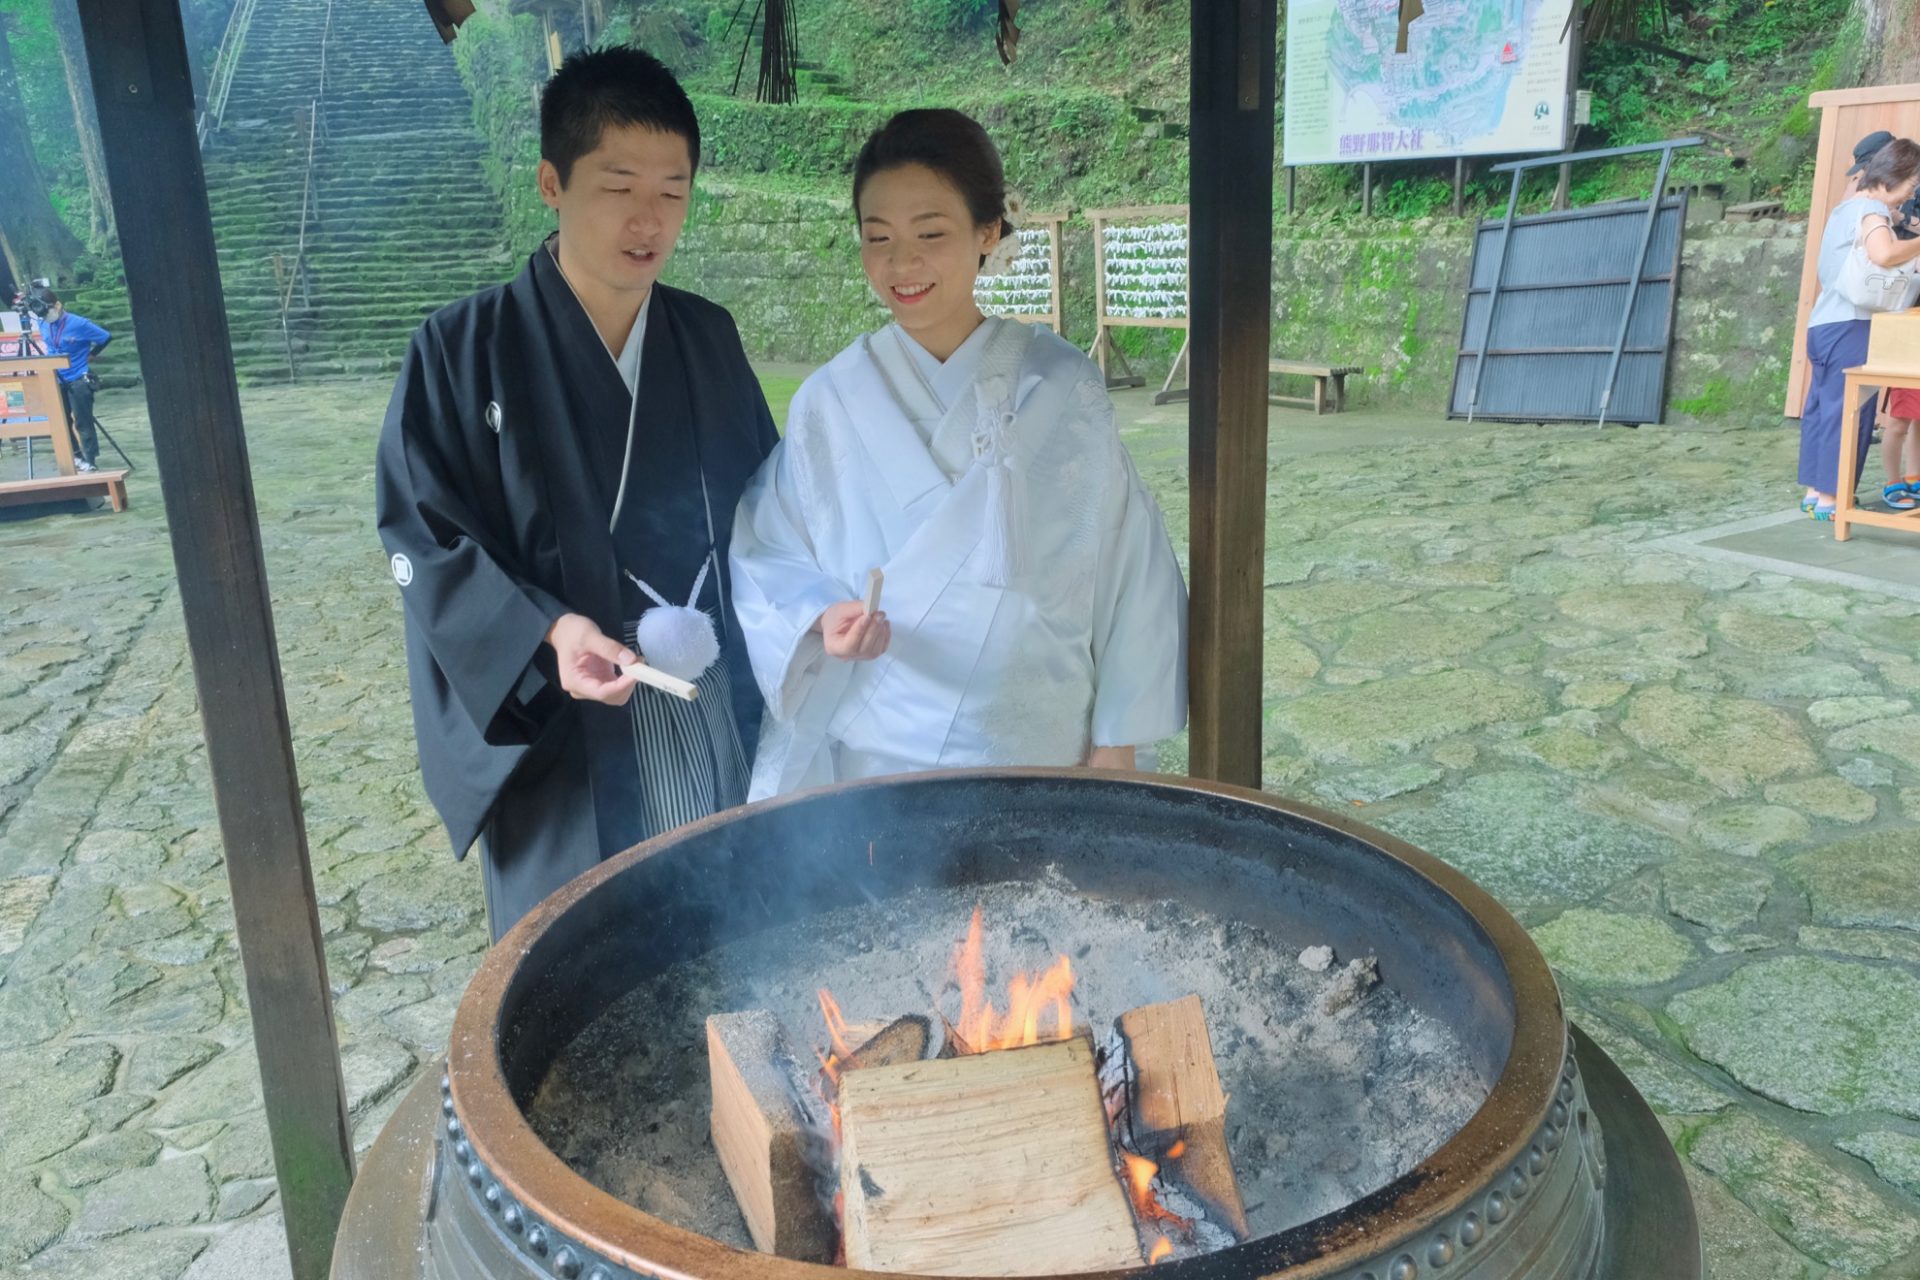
(453, 1126)
(1566, 1090)
(1470, 1230)
(463, 1151)
(1557, 1114)
(599, 1273)
(566, 1264)
(446, 1105)
(475, 1174)
(492, 1196)
(1496, 1208)
(1441, 1252)
(1536, 1160)
(512, 1219)
(1518, 1184)
(1550, 1138)
(537, 1239)
(1404, 1269)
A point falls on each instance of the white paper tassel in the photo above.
(677, 639)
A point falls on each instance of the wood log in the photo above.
(771, 1136)
(995, 1164)
(1177, 1105)
(902, 1040)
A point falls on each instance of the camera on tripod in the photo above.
(34, 300)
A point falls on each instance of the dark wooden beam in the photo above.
(145, 96)
(1231, 281)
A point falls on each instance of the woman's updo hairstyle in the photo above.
(953, 145)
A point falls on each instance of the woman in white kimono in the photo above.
(1034, 611)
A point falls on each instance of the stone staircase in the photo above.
(403, 220)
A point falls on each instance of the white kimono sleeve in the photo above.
(779, 587)
(1140, 612)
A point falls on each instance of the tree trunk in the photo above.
(86, 121)
(32, 236)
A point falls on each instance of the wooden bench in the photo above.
(1321, 374)
(111, 485)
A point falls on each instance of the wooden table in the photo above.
(1844, 511)
(31, 405)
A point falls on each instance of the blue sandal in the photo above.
(1901, 497)
(1820, 510)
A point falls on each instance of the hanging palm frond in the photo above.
(1621, 20)
(1006, 38)
(779, 49)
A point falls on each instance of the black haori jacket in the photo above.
(498, 463)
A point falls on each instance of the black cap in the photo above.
(1865, 149)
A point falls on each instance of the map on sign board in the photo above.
(1410, 79)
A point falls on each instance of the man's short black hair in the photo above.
(615, 87)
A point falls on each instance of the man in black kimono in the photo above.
(561, 453)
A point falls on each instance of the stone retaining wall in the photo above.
(1385, 295)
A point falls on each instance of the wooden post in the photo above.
(1459, 185)
(1231, 286)
(1366, 189)
(1292, 173)
(1576, 31)
(144, 91)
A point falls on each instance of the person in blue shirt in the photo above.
(79, 340)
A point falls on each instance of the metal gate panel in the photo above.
(1556, 316)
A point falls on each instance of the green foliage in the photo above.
(1057, 147)
(503, 65)
(1714, 401)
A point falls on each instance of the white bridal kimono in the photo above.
(1036, 605)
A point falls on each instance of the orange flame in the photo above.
(1177, 1150)
(1162, 1250)
(1146, 1202)
(836, 1025)
(982, 1027)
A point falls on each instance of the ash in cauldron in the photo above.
(1450, 1125)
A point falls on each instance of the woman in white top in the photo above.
(1034, 611)
(1836, 329)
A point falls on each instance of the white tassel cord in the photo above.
(993, 444)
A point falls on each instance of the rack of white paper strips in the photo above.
(1140, 281)
(1031, 290)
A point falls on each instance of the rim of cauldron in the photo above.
(1397, 1215)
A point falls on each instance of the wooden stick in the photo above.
(660, 680)
(874, 579)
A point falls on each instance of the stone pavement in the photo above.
(1697, 782)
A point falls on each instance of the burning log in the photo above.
(1162, 1093)
(770, 1131)
(902, 1040)
(992, 1164)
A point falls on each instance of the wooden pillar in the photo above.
(1231, 282)
(1459, 185)
(1366, 190)
(145, 95)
